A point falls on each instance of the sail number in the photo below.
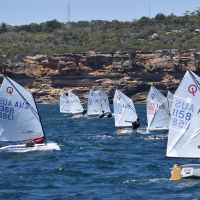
(122, 107)
(6, 113)
(182, 113)
(152, 106)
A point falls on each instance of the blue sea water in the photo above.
(94, 163)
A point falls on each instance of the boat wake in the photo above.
(102, 137)
(125, 131)
(146, 180)
(155, 137)
(77, 116)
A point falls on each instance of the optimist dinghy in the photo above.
(184, 127)
(19, 119)
(124, 113)
(158, 114)
(98, 104)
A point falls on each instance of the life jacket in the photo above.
(135, 125)
(38, 140)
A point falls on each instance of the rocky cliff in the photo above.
(46, 76)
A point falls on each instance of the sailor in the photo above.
(84, 111)
(102, 115)
(32, 142)
(109, 115)
(136, 124)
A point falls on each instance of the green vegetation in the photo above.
(161, 32)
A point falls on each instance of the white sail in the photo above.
(157, 110)
(94, 104)
(75, 106)
(124, 110)
(184, 128)
(19, 119)
(170, 99)
(97, 102)
(104, 101)
(64, 104)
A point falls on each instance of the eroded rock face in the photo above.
(46, 76)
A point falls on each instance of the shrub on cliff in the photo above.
(100, 35)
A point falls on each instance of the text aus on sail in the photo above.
(8, 108)
(184, 109)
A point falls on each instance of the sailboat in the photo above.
(64, 104)
(170, 99)
(98, 103)
(184, 128)
(75, 107)
(158, 114)
(19, 119)
(124, 112)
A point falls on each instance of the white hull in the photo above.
(148, 131)
(21, 148)
(157, 129)
(190, 170)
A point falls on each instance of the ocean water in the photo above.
(94, 163)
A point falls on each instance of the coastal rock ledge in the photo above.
(133, 73)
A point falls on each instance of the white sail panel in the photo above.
(157, 110)
(104, 101)
(19, 119)
(64, 104)
(76, 106)
(184, 128)
(124, 110)
(94, 104)
(98, 102)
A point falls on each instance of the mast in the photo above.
(45, 141)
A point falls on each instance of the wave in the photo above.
(146, 180)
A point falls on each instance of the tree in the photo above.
(3, 28)
(160, 17)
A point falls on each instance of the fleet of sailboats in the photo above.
(180, 113)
